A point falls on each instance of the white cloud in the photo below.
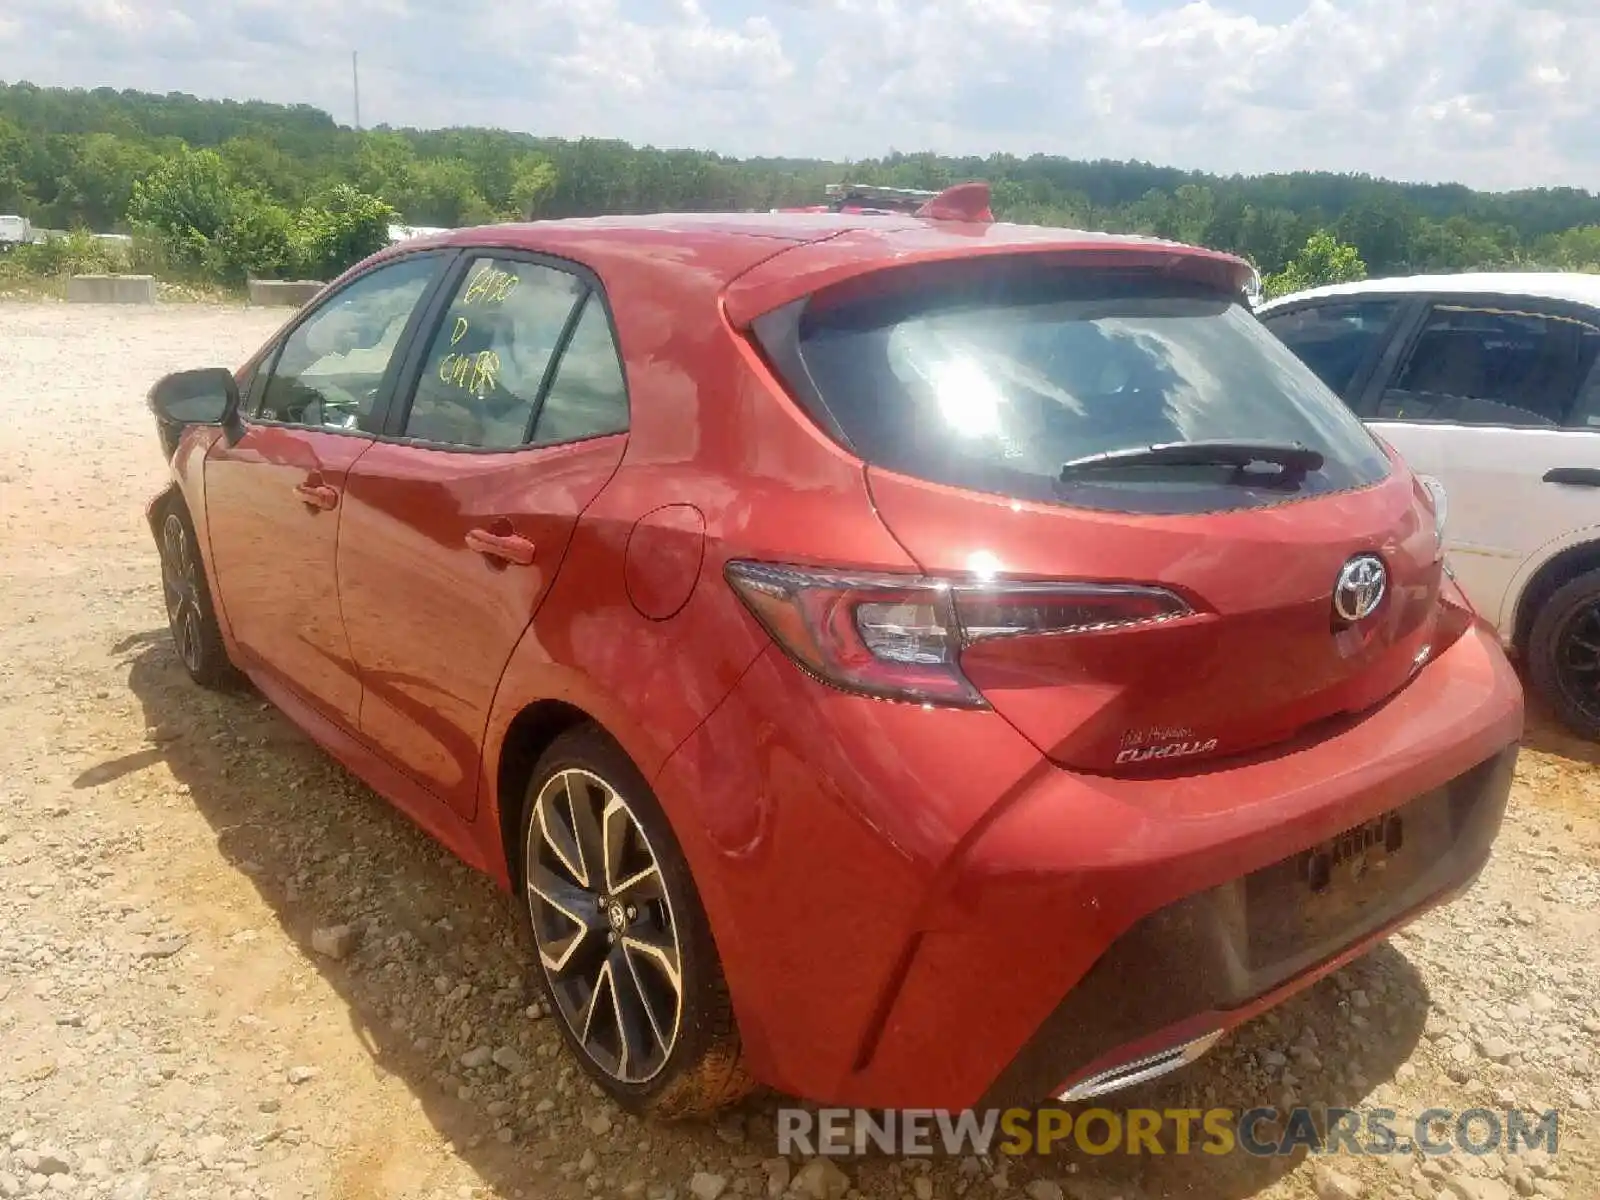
(1491, 93)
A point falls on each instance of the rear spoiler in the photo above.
(856, 253)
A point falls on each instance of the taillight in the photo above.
(900, 637)
(881, 635)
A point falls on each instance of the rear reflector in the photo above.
(900, 637)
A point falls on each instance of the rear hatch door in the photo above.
(1308, 576)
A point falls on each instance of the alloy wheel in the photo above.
(1578, 658)
(180, 579)
(604, 925)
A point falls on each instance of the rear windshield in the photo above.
(994, 379)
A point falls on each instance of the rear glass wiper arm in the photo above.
(1292, 458)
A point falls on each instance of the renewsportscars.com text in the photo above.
(841, 1132)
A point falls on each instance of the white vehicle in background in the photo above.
(14, 231)
(404, 233)
(1489, 384)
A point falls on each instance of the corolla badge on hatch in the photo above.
(1360, 587)
(1143, 745)
(1170, 750)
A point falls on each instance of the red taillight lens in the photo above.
(900, 637)
(880, 635)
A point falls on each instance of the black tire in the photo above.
(192, 619)
(1564, 654)
(700, 1067)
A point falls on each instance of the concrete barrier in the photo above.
(112, 289)
(293, 292)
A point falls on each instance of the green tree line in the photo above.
(229, 189)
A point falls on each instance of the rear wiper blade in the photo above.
(1292, 458)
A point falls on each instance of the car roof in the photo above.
(1541, 285)
(798, 225)
(839, 246)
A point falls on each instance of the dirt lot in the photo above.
(167, 1028)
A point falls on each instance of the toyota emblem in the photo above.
(1362, 582)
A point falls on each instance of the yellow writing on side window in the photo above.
(460, 331)
(490, 285)
(475, 373)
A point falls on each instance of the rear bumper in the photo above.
(915, 909)
(1206, 962)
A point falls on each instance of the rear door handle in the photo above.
(1576, 476)
(317, 495)
(507, 547)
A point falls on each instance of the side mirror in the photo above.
(208, 396)
(203, 397)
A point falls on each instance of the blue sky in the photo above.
(1495, 93)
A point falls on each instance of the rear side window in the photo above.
(1493, 366)
(993, 379)
(588, 397)
(1337, 339)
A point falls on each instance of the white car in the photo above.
(1488, 383)
(14, 231)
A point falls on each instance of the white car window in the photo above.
(1476, 365)
(1335, 339)
(1586, 412)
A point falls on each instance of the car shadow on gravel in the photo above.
(439, 969)
(1545, 733)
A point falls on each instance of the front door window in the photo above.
(332, 367)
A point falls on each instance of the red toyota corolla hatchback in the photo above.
(903, 660)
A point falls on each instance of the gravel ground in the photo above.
(176, 1018)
